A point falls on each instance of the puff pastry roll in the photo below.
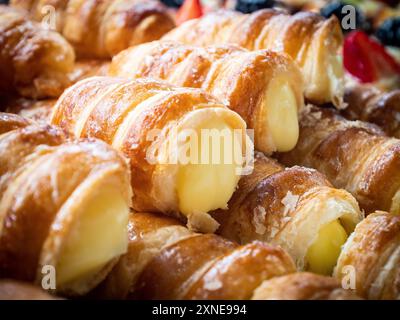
(186, 150)
(308, 38)
(102, 28)
(354, 155)
(57, 197)
(368, 103)
(34, 61)
(15, 290)
(203, 266)
(303, 286)
(265, 88)
(295, 208)
(372, 257)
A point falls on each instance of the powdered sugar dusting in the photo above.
(259, 219)
(213, 285)
(148, 61)
(290, 202)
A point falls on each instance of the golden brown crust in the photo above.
(10, 122)
(36, 110)
(368, 103)
(303, 286)
(149, 233)
(236, 275)
(14, 290)
(101, 29)
(167, 261)
(138, 108)
(187, 257)
(40, 170)
(309, 39)
(285, 207)
(372, 257)
(40, 110)
(353, 155)
(233, 75)
(34, 61)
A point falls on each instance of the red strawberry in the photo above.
(190, 9)
(367, 59)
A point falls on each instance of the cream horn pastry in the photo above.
(354, 155)
(265, 88)
(311, 40)
(102, 28)
(187, 151)
(295, 208)
(64, 206)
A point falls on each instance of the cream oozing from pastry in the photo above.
(314, 235)
(98, 235)
(280, 109)
(335, 72)
(395, 206)
(208, 181)
(323, 253)
(324, 76)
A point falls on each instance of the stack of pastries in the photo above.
(299, 200)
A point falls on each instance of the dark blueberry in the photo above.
(249, 6)
(172, 3)
(392, 3)
(335, 8)
(4, 1)
(389, 32)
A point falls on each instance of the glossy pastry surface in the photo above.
(370, 104)
(34, 61)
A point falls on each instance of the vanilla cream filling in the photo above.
(335, 79)
(280, 110)
(314, 236)
(323, 253)
(98, 236)
(208, 183)
(395, 206)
